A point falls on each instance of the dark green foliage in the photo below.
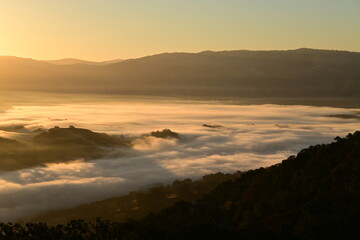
(314, 195)
(78, 230)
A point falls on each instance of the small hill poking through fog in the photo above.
(57, 145)
(293, 73)
(314, 195)
(63, 145)
(78, 136)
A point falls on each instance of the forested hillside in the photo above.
(314, 195)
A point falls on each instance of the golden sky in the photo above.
(108, 29)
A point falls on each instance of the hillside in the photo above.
(47, 146)
(293, 73)
(314, 195)
(138, 204)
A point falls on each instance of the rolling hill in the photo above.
(71, 61)
(305, 73)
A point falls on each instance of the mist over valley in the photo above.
(58, 154)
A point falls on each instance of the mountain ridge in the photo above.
(72, 61)
(115, 61)
(237, 74)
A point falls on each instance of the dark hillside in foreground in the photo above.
(315, 195)
(302, 73)
(138, 204)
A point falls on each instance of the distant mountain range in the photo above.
(265, 74)
(71, 61)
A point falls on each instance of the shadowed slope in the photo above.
(138, 204)
(314, 195)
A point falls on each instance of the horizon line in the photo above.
(186, 52)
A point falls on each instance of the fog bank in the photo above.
(234, 138)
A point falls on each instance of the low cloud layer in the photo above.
(249, 137)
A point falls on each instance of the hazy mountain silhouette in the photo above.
(79, 136)
(71, 61)
(293, 73)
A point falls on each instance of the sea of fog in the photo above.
(239, 137)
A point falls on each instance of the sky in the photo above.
(100, 30)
